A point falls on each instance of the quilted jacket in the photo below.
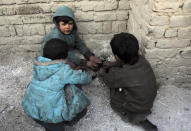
(45, 98)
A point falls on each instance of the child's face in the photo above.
(66, 28)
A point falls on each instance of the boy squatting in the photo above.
(54, 96)
(131, 81)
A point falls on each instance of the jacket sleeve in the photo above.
(110, 78)
(79, 44)
(73, 58)
(76, 76)
(52, 34)
(43, 44)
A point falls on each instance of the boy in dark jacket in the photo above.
(131, 81)
(66, 29)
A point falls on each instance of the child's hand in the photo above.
(91, 65)
(95, 59)
(107, 64)
(101, 72)
(72, 65)
(80, 68)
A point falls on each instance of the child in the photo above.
(131, 81)
(52, 96)
(66, 29)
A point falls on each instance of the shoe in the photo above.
(47, 129)
(148, 126)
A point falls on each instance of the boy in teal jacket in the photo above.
(45, 99)
(66, 29)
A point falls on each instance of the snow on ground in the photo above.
(171, 110)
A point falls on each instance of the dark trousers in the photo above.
(132, 117)
(60, 126)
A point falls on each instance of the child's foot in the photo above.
(148, 126)
(47, 129)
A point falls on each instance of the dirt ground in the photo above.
(171, 110)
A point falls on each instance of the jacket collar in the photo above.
(46, 63)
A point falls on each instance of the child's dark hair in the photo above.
(55, 49)
(126, 47)
(64, 19)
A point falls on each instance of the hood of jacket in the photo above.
(45, 68)
(65, 11)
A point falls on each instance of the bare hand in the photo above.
(80, 68)
(94, 59)
(107, 64)
(91, 65)
(72, 65)
(101, 71)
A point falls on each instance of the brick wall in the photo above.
(164, 31)
(23, 23)
(162, 27)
